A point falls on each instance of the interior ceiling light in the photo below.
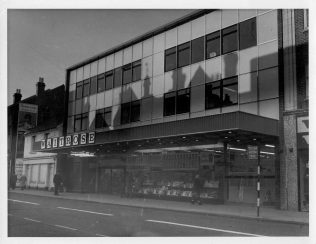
(82, 154)
(269, 145)
(254, 139)
(237, 149)
(183, 137)
(198, 147)
(226, 137)
(269, 153)
(229, 132)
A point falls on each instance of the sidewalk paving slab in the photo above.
(227, 210)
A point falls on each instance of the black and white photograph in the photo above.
(156, 122)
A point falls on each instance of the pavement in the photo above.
(227, 210)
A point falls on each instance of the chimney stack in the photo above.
(17, 96)
(40, 87)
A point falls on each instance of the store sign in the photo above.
(27, 116)
(69, 140)
(252, 152)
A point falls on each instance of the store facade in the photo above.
(187, 98)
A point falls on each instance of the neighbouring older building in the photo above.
(204, 94)
(26, 118)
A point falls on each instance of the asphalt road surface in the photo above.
(37, 216)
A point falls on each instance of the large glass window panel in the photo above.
(86, 86)
(101, 83)
(118, 77)
(77, 123)
(135, 111)
(247, 33)
(109, 80)
(170, 104)
(99, 118)
(230, 91)
(79, 90)
(213, 95)
(197, 52)
(170, 59)
(213, 45)
(183, 101)
(93, 85)
(184, 54)
(137, 70)
(84, 121)
(107, 116)
(125, 113)
(229, 39)
(127, 74)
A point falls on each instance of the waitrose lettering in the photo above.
(69, 140)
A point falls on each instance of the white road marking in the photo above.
(13, 200)
(65, 227)
(101, 235)
(204, 228)
(32, 220)
(85, 211)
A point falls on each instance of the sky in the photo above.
(44, 43)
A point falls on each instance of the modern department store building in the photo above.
(191, 96)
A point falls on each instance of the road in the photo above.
(38, 216)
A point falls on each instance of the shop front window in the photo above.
(242, 175)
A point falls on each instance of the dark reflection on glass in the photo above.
(229, 39)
